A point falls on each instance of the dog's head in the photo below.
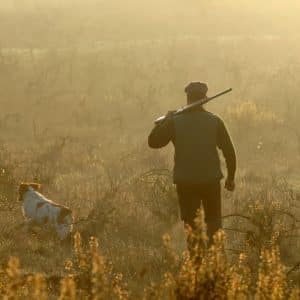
(24, 187)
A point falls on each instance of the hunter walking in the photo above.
(196, 135)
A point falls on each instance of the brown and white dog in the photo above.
(38, 210)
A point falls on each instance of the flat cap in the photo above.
(196, 88)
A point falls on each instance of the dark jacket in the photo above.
(196, 136)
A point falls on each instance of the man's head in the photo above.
(195, 91)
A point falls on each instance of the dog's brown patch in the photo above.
(24, 186)
(40, 204)
(63, 213)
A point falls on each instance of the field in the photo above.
(76, 117)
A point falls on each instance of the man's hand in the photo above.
(229, 185)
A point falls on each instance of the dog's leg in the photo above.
(30, 224)
(63, 231)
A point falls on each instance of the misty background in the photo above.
(38, 24)
(81, 83)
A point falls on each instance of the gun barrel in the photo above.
(190, 106)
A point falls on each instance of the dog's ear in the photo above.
(23, 188)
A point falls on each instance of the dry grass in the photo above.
(77, 122)
(201, 273)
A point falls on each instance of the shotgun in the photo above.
(191, 106)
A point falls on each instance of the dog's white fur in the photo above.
(41, 211)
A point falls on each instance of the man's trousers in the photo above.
(209, 195)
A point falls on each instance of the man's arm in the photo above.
(226, 145)
(161, 134)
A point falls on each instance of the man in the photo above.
(196, 135)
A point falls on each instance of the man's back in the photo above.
(195, 140)
(196, 136)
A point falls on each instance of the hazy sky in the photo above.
(51, 21)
